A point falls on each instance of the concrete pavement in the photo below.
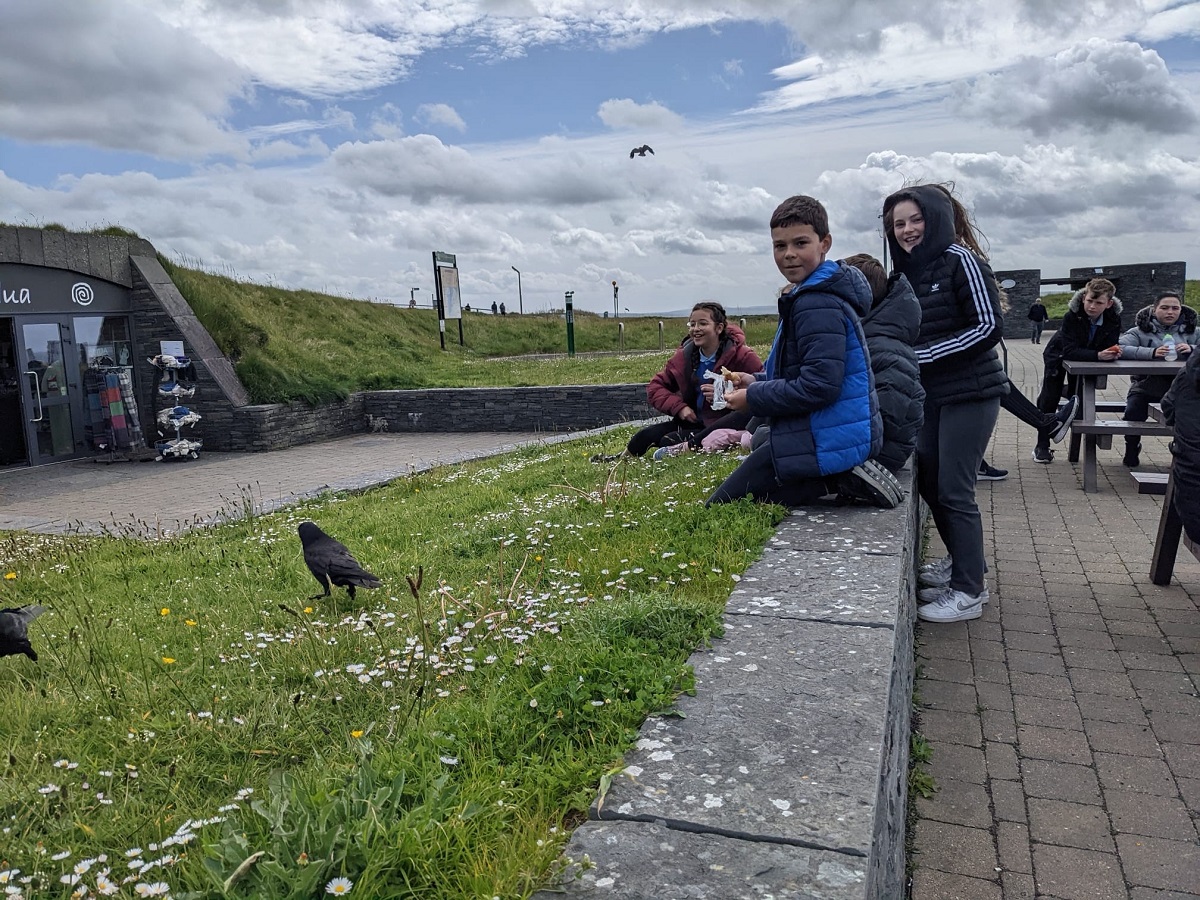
(1065, 723)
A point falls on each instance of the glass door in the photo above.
(50, 391)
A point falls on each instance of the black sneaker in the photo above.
(870, 483)
(1132, 459)
(1043, 454)
(1062, 420)
(990, 473)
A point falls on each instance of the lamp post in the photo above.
(412, 301)
(520, 301)
(568, 297)
(616, 315)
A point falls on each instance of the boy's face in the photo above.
(908, 225)
(798, 250)
(1168, 311)
(1094, 304)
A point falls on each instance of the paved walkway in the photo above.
(164, 497)
(1065, 723)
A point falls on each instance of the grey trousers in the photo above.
(950, 446)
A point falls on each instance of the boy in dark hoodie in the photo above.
(892, 327)
(1089, 332)
(1166, 318)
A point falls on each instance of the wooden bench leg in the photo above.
(1166, 544)
(1073, 450)
(1089, 464)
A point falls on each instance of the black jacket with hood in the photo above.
(961, 321)
(1181, 408)
(892, 327)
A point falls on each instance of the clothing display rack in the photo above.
(177, 382)
(112, 413)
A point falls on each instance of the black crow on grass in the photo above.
(14, 625)
(329, 561)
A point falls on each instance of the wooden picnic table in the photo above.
(1094, 432)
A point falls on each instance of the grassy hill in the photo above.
(302, 345)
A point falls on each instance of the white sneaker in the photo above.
(952, 606)
(931, 594)
(935, 574)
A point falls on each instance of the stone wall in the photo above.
(1026, 287)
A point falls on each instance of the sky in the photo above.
(335, 145)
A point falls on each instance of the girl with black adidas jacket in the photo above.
(961, 324)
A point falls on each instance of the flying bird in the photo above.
(641, 151)
(329, 560)
(14, 625)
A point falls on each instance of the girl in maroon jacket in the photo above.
(712, 343)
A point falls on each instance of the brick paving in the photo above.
(1065, 723)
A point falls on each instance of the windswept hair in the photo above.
(1101, 286)
(802, 210)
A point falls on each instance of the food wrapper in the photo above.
(721, 384)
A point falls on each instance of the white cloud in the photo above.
(629, 115)
(1098, 86)
(440, 114)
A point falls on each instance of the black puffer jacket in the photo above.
(961, 321)
(1075, 339)
(892, 327)
(1181, 408)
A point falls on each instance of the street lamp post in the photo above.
(520, 300)
(568, 297)
(412, 301)
(616, 315)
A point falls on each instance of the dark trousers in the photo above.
(675, 431)
(755, 477)
(1137, 405)
(950, 446)
(1036, 333)
(1022, 407)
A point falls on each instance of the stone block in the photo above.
(647, 861)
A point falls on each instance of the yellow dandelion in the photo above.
(308, 609)
(190, 623)
(167, 660)
(356, 733)
(165, 611)
(10, 576)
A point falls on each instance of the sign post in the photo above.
(449, 295)
(570, 295)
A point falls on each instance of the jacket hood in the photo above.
(1146, 322)
(849, 284)
(1076, 304)
(939, 226)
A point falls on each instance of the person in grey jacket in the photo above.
(1147, 340)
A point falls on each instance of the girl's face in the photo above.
(908, 225)
(704, 330)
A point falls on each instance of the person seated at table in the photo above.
(1181, 410)
(1089, 332)
(1165, 318)
(712, 343)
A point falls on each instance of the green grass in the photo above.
(301, 345)
(191, 705)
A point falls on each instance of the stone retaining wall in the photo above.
(785, 775)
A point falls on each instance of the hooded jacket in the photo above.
(961, 320)
(892, 327)
(823, 412)
(676, 387)
(1181, 409)
(1146, 336)
(1075, 339)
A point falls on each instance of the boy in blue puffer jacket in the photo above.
(817, 392)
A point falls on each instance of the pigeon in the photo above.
(641, 151)
(14, 637)
(329, 561)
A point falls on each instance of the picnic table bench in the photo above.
(1094, 433)
(1170, 536)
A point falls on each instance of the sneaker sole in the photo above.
(874, 484)
(1060, 432)
(991, 477)
(984, 596)
(1044, 462)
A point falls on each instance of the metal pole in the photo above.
(621, 336)
(520, 301)
(570, 296)
(661, 341)
(616, 314)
